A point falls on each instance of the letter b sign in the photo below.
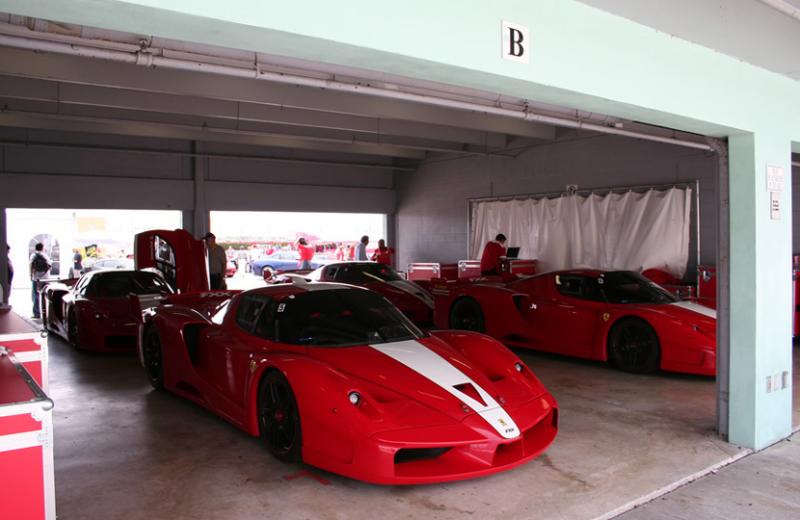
(516, 44)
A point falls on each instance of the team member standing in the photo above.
(383, 255)
(306, 253)
(361, 249)
(217, 262)
(39, 267)
(77, 264)
(7, 288)
(492, 252)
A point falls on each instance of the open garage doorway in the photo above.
(259, 241)
(414, 149)
(102, 238)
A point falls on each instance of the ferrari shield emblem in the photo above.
(502, 422)
(606, 316)
(253, 365)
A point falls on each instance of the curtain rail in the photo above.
(589, 191)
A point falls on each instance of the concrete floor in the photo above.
(125, 451)
(765, 486)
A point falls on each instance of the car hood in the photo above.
(115, 308)
(429, 372)
(404, 291)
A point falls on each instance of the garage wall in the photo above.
(110, 176)
(795, 206)
(432, 202)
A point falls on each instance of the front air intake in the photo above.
(414, 454)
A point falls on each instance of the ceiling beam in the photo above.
(195, 133)
(72, 69)
(227, 114)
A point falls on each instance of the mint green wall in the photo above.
(761, 303)
(581, 58)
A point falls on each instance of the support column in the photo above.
(760, 406)
(723, 287)
(4, 257)
(187, 220)
(200, 216)
(391, 236)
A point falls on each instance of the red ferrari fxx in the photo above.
(96, 313)
(336, 376)
(412, 300)
(614, 315)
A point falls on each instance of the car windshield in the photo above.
(338, 318)
(629, 287)
(364, 273)
(113, 284)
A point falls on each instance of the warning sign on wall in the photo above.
(775, 205)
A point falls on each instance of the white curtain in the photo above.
(634, 231)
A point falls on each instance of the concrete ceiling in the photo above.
(67, 90)
(750, 30)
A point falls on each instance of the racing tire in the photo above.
(279, 418)
(633, 346)
(43, 309)
(45, 315)
(466, 314)
(153, 357)
(73, 335)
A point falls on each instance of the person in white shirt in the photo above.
(39, 267)
(361, 249)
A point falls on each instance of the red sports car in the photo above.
(615, 315)
(96, 313)
(230, 268)
(412, 300)
(335, 376)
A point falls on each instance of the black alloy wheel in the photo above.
(152, 356)
(466, 314)
(633, 346)
(279, 418)
(43, 300)
(72, 329)
(46, 315)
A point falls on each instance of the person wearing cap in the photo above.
(217, 262)
(492, 252)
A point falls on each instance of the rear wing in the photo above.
(179, 257)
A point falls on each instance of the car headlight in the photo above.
(354, 398)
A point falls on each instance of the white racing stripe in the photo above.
(696, 307)
(424, 361)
